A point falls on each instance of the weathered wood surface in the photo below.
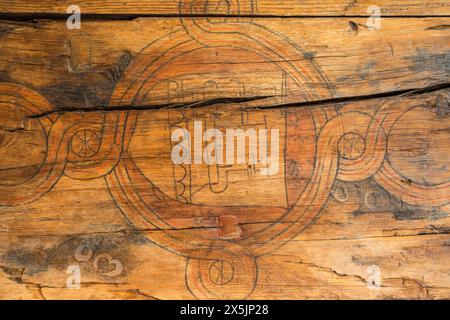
(382, 220)
(246, 7)
(87, 179)
(344, 58)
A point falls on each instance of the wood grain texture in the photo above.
(366, 214)
(246, 7)
(88, 182)
(346, 62)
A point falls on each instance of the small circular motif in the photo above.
(351, 146)
(85, 143)
(221, 272)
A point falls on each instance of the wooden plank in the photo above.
(292, 61)
(362, 188)
(342, 192)
(246, 7)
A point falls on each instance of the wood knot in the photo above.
(442, 104)
(354, 27)
(229, 228)
(2, 139)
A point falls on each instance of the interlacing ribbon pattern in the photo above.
(349, 147)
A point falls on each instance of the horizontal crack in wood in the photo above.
(212, 102)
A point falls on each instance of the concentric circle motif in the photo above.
(25, 179)
(148, 205)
